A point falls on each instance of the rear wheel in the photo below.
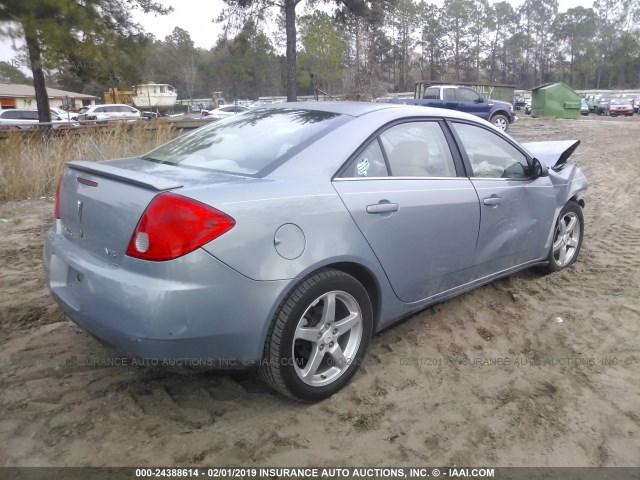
(318, 337)
(567, 238)
(500, 121)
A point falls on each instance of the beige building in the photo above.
(13, 95)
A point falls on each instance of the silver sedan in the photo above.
(284, 237)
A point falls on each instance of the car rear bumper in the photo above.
(194, 309)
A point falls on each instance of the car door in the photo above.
(420, 218)
(517, 210)
(470, 101)
(450, 98)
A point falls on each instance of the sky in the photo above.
(196, 17)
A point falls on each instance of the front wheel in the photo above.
(319, 336)
(501, 122)
(567, 238)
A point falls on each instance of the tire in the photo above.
(500, 121)
(567, 238)
(306, 327)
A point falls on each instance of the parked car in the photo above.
(592, 102)
(282, 238)
(27, 118)
(584, 107)
(67, 115)
(108, 112)
(602, 105)
(224, 112)
(620, 106)
(519, 102)
(147, 115)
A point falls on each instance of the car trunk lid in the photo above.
(100, 204)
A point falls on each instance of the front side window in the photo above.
(490, 155)
(418, 149)
(468, 95)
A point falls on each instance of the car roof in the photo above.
(357, 109)
(111, 105)
(354, 109)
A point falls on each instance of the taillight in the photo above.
(173, 225)
(57, 209)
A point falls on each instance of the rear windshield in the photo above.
(251, 143)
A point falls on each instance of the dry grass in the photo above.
(31, 162)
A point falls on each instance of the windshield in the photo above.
(248, 143)
(620, 101)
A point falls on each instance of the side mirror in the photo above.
(539, 169)
(479, 100)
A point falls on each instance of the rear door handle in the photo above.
(492, 200)
(385, 207)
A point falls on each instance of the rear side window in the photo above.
(413, 149)
(369, 163)
(432, 93)
(11, 115)
(449, 94)
(418, 149)
(249, 143)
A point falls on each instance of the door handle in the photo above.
(492, 200)
(383, 208)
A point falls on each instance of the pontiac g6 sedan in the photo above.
(282, 238)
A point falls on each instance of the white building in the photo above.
(13, 95)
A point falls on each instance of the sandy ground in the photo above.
(530, 370)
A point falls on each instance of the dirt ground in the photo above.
(531, 370)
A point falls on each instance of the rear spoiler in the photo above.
(553, 154)
(128, 176)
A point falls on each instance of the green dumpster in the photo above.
(555, 100)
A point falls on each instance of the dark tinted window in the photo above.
(250, 142)
(467, 95)
(29, 115)
(449, 94)
(432, 93)
(11, 115)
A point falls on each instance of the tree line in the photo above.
(361, 48)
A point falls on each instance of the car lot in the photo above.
(441, 388)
